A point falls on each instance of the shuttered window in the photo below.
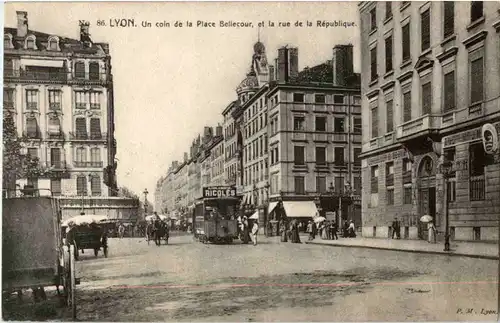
(449, 91)
(476, 79)
(94, 71)
(425, 32)
(357, 160)
(8, 98)
(80, 70)
(388, 9)
(476, 10)
(321, 155)
(55, 157)
(55, 186)
(389, 116)
(95, 185)
(81, 185)
(54, 127)
(31, 127)
(373, 19)
(320, 184)
(31, 99)
(406, 106)
(426, 98)
(300, 185)
(95, 154)
(339, 156)
(375, 122)
(388, 54)
(373, 63)
(81, 127)
(299, 158)
(406, 42)
(95, 127)
(81, 154)
(449, 18)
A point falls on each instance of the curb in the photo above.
(408, 250)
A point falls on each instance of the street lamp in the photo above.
(446, 169)
(145, 200)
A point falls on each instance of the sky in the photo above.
(171, 82)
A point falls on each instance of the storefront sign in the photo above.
(387, 157)
(469, 135)
(219, 191)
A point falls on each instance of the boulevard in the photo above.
(275, 281)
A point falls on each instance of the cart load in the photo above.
(87, 232)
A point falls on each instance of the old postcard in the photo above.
(251, 161)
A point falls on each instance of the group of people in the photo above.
(157, 229)
(290, 231)
(327, 230)
(248, 229)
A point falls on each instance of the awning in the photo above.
(255, 216)
(300, 209)
(41, 62)
(272, 206)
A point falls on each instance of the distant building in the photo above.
(59, 92)
(430, 81)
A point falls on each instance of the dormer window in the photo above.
(7, 41)
(53, 44)
(30, 42)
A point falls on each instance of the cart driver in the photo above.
(70, 233)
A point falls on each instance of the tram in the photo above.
(215, 215)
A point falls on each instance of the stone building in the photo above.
(430, 82)
(231, 159)
(59, 92)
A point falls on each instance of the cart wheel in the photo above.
(105, 251)
(96, 251)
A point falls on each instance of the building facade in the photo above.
(230, 145)
(59, 92)
(429, 84)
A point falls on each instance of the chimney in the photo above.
(84, 32)
(185, 157)
(342, 64)
(22, 23)
(218, 130)
(271, 73)
(287, 65)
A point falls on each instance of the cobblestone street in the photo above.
(190, 281)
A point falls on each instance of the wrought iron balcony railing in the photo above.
(55, 135)
(87, 136)
(32, 135)
(54, 75)
(55, 105)
(88, 164)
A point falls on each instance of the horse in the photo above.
(150, 231)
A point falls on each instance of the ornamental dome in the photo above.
(250, 83)
(259, 48)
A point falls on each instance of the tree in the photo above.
(126, 192)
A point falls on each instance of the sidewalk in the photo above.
(462, 249)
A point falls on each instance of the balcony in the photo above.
(55, 135)
(420, 126)
(55, 75)
(8, 104)
(80, 105)
(340, 137)
(32, 105)
(87, 136)
(95, 106)
(88, 164)
(57, 165)
(32, 135)
(55, 105)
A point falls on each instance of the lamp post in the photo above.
(446, 169)
(145, 201)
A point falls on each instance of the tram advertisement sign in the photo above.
(219, 191)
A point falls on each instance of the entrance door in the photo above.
(427, 190)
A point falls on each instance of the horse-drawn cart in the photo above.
(33, 254)
(87, 232)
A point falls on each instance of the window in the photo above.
(54, 126)
(95, 157)
(388, 54)
(320, 123)
(425, 32)
(54, 100)
(389, 174)
(30, 43)
(81, 155)
(299, 157)
(426, 98)
(55, 186)
(476, 81)
(338, 125)
(390, 196)
(95, 102)
(95, 128)
(357, 125)
(55, 157)
(406, 42)
(298, 97)
(357, 160)
(7, 42)
(407, 106)
(81, 185)
(449, 91)
(320, 184)
(8, 98)
(321, 155)
(81, 127)
(373, 19)
(31, 127)
(339, 156)
(477, 164)
(80, 100)
(265, 144)
(319, 98)
(374, 122)
(476, 10)
(33, 152)
(80, 70)
(94, 71)
(374, 179)
(373, 64)
(389, 116)
(300, 185)
(388, 9)
(449, 19)
(339, 184)
(338, 99)
(31, 99)
(407, 171)
(53, 44)
(407, 195)
(298, 123)
(357, 185)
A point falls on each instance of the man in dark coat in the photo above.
(396, 228)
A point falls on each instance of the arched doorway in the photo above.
(427, 192)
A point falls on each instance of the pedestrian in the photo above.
(334, 228)
(352, 230)
(121, 230)
(432, 232)
(328, 230)
(310, 230)
(345, 229)
(314, 230)
(255, 230)
(283, 232)
(396, 229)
